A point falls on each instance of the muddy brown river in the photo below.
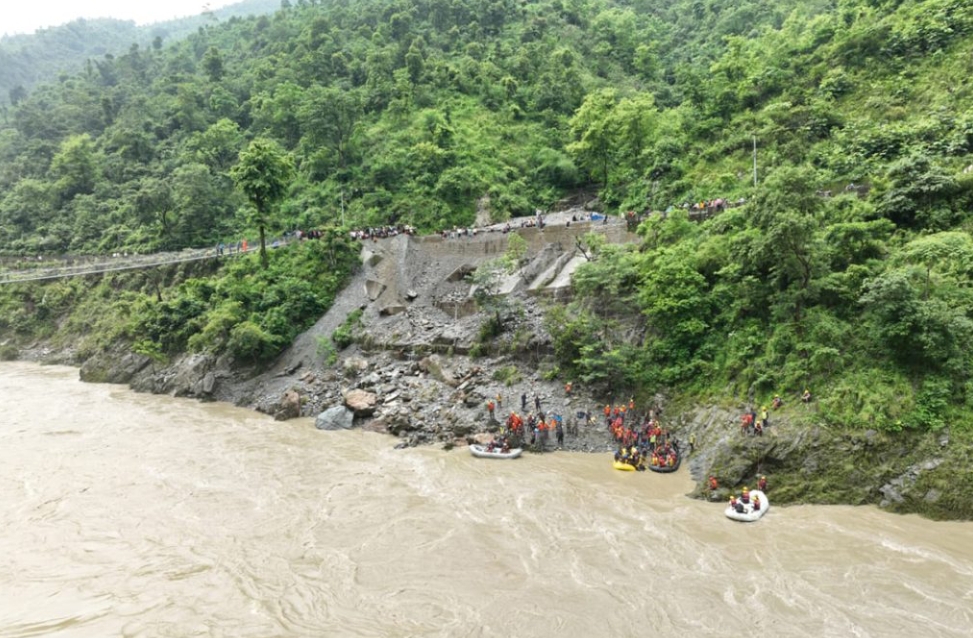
(124, 514)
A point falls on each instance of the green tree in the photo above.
(263, 174)
(213, 64)
(218, 146)
(594, 133)
(75, 166)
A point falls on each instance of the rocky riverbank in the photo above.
(409, 373)
(807, 462)
(441, 399)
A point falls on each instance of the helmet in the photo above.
(762, 476)
(746, 489)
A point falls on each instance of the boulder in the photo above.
(289, 407)
(188, 374)
(435, 366)
(362, 403)
(208, 383)
(370, 380)
(374, 288)
(108, 367)
(397, 421)
(336, 418)
(370, 258)
(461, 429)
(392, 309)
(377, 426)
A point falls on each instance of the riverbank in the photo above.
(808, 462)
(400, 351)
(441, 400)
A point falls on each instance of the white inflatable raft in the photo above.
(482, 452)
(748, 515)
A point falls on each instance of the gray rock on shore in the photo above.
(337, 418)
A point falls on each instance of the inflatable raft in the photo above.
(664, 469)
(625, 467)
(482, 452)
(748, 515)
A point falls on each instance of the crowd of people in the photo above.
(380, 232)
(528, 426)
(641, 441)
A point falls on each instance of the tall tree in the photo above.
(213, 64)
(594, 132)
(263, 174)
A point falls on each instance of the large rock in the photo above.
(397, 420)
(392, 309)
(374, 288)
(370, 258)
(360, 402)
(461, 428)
(337, 418)
(372, 379)
(290, 406)
(108, 367)
(188, 374)
(207, 384)
(435, 366)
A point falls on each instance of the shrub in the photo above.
(508, 375)
(250, 341)
(344, 335)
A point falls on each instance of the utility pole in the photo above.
(754, 161)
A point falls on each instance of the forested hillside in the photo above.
(27, 59)
(847, 271)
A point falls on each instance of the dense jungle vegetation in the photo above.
(59, 51)
(847, 271)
